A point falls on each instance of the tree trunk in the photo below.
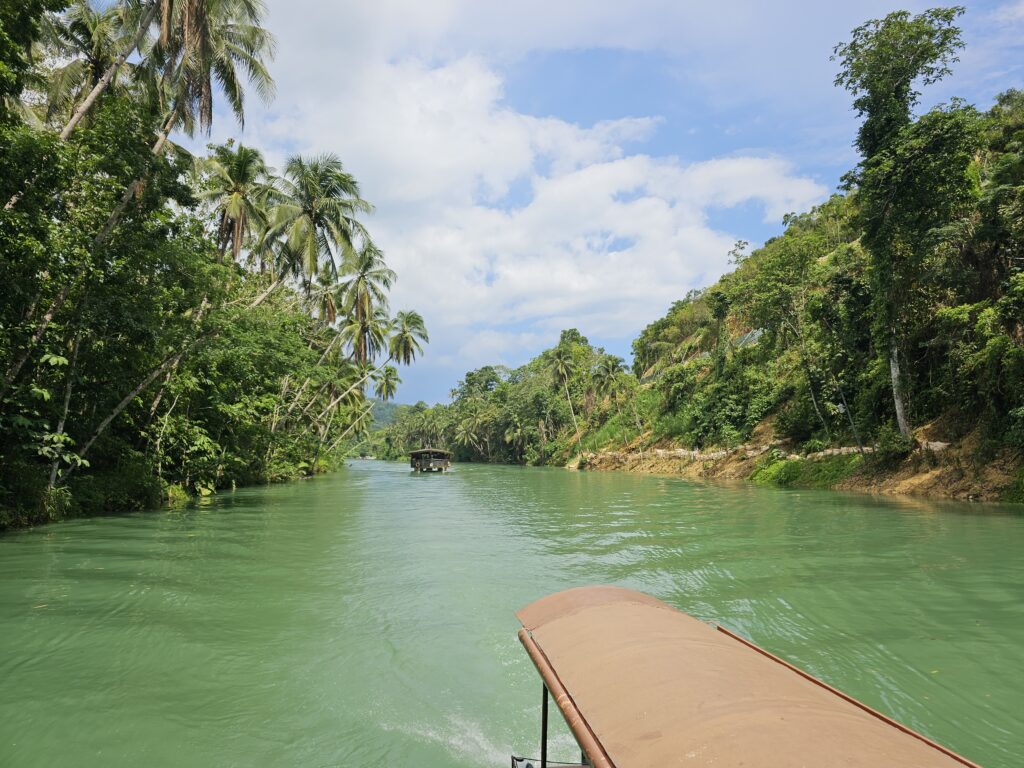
(572, 413)
(15, 369)
(150, 377)
(897, 388)
(136, 186)
(639, 425)
(814, 402)
(95, 93)
(64, 411)
(347, 431)
(108, 76)
(351, 389)
(266, 294)
(160, 438)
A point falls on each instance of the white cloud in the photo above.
(505, 227)
(1011, 12)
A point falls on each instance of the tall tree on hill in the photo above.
(562, 367)
(882, 65)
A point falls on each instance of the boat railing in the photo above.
(532, 762)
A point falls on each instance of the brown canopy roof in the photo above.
(643, 685)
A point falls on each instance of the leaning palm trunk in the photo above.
(166, 363)
(352, 426)
(15, 369)
(104, 82)
(104, 233)
(352, 389)
(571, 411)
(298, 395)
(101, 85)
(136, 186)
(55, 465)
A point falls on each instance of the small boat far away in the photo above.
(430, 460)
(643, 685)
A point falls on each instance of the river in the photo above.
(366, 618)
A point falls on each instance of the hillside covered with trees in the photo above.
(889, 316)
(169, 323)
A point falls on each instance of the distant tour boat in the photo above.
(643, 685)
(430, 460)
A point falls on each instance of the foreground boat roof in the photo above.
(643, 685)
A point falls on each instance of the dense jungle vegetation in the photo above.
(896, 304)
(170, 324)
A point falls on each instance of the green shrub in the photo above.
(177, 496)
(891, 447)
(814, 446)
(1015, 493)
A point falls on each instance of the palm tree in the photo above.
(515, 435)
(363, 296)
(185, 31)
(605, 373)
(85, 41)
(562, 367)
(318, 211)
(466, 434)
(138, 18)
(408, 333)
(239, 188)
(208, 40)
(367, 336)
(386, 384)
(608, 379)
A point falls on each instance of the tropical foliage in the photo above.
(170, 323)
(890, 315)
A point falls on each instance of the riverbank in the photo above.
(934, 469)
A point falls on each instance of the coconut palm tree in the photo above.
(515, 435)
(368, 335)
(209, 40)
(84, 41)
(363, 296)
(239, 188)
(605, 373)
(386, 383)
(608, 378)
(466, 434)
(408, 335)
(318, 212)
(184, 28)
(562, 367)
(134, 16)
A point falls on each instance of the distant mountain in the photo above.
(384, 413)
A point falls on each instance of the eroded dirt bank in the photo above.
(934, 469)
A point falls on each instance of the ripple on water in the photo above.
(365, 618)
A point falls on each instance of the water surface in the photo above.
(366, 618)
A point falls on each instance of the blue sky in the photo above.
(542, 165)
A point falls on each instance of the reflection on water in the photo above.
(366, 618)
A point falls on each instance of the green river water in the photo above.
(366, 618)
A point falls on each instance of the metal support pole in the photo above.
(544, 729)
